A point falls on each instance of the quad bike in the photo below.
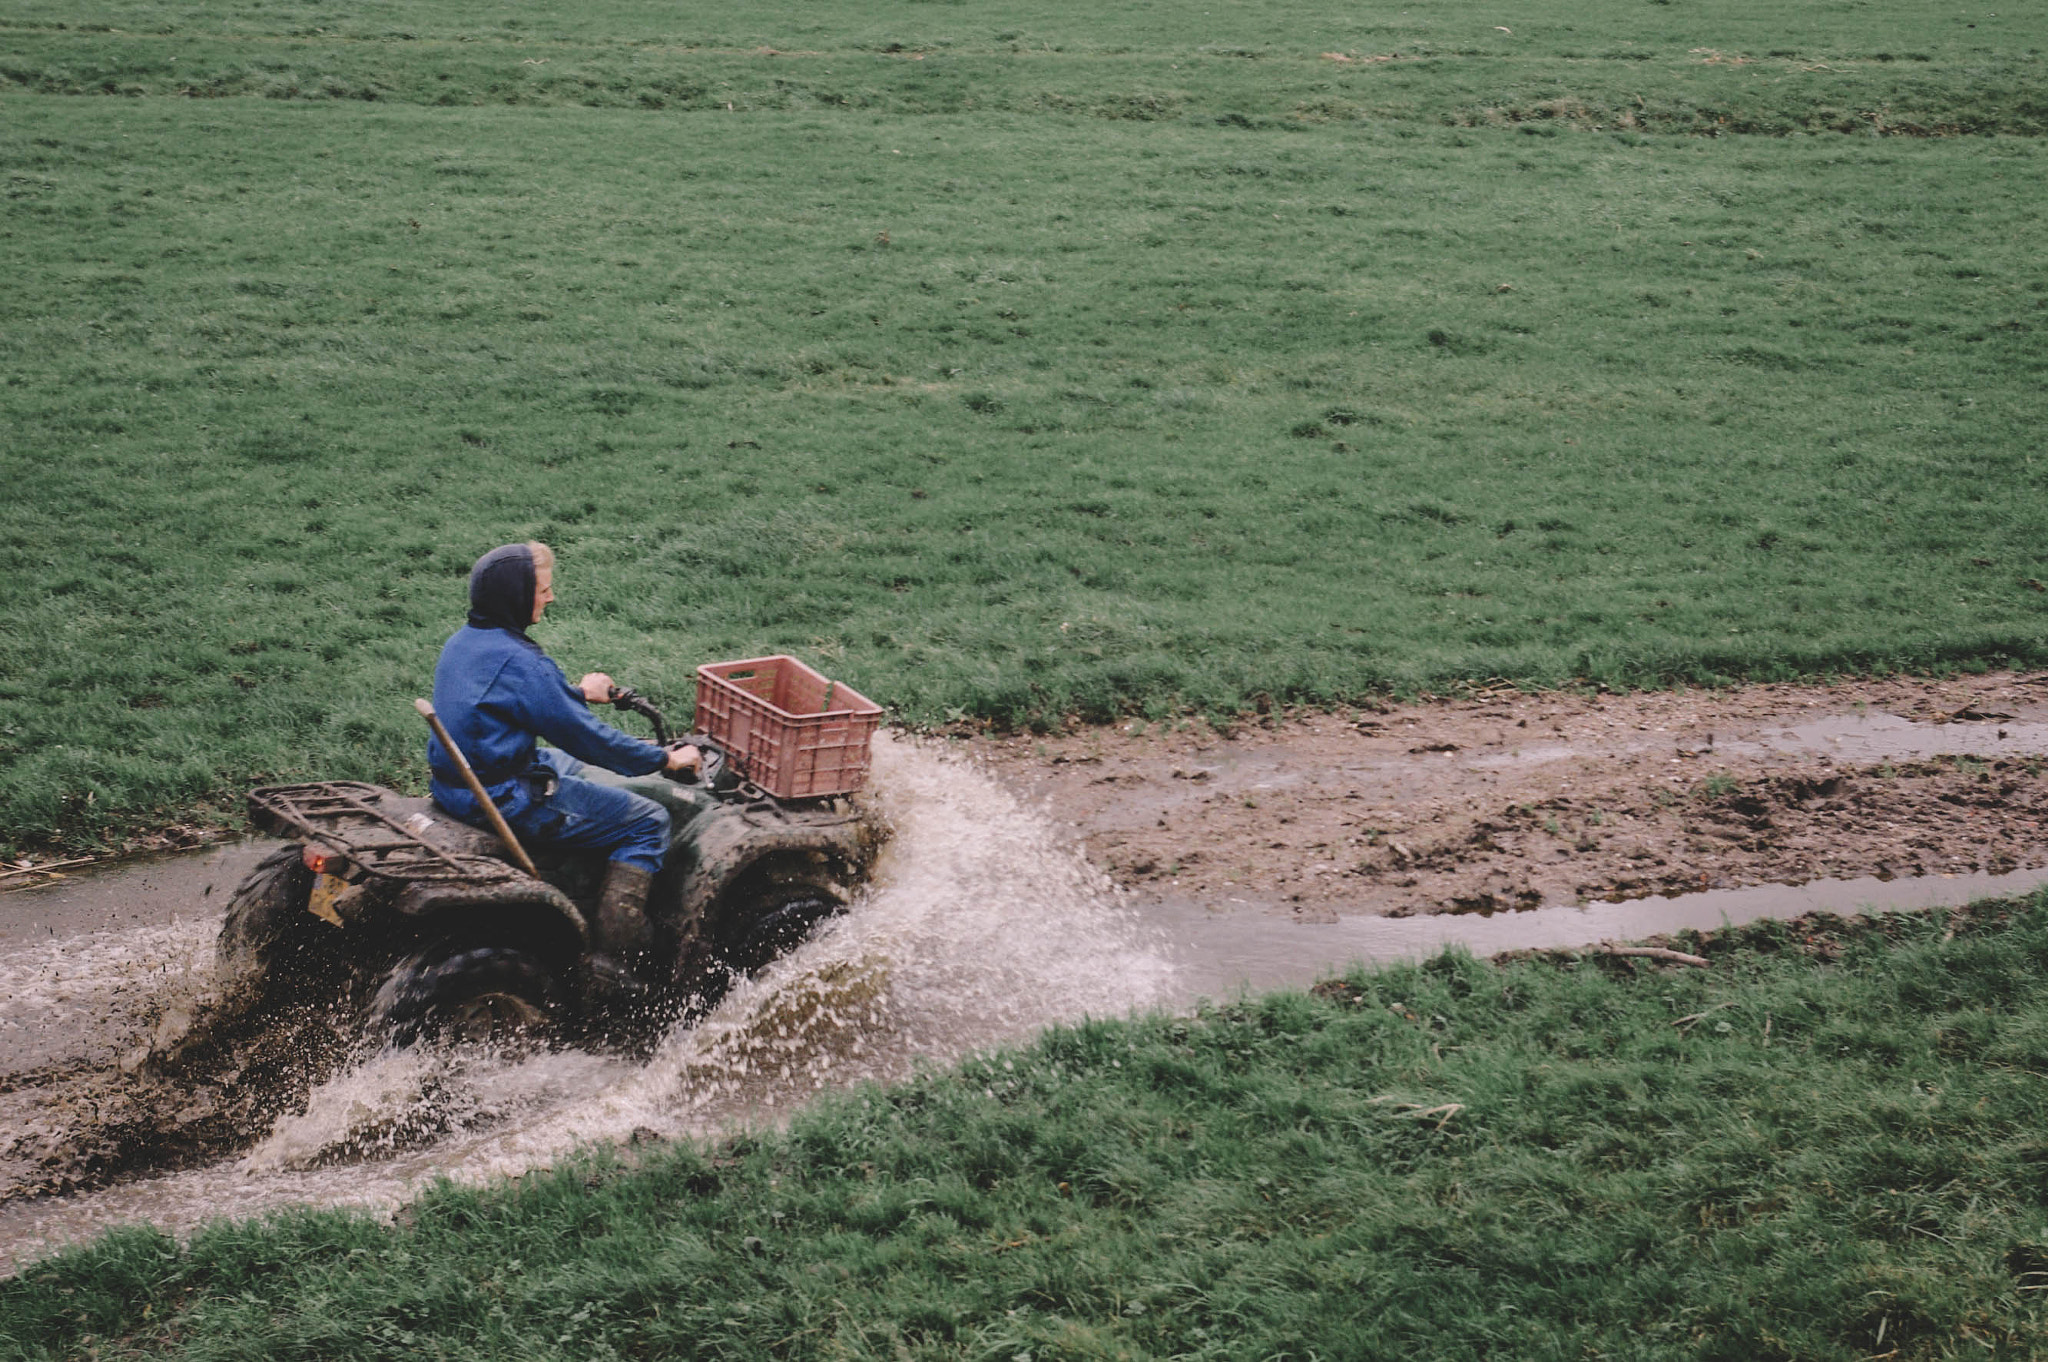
(385, 909)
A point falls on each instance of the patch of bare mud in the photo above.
(1512, 801)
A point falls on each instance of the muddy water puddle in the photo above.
(983, 925)
(1873, 736)
(1515, 801)
(1878, 737)
(152, 890)
(1223, 953)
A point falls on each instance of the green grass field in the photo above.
(1006, 362)
(1773, 1159)
(1019, 361)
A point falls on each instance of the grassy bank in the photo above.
(1775, 1158)
(911, 363)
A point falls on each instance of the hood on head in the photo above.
(501, 589)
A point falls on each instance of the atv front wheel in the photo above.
(478, 995)
(773, 920)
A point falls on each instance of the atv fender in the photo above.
(539, 908)
(733, 840)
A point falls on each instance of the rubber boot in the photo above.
(621, 928)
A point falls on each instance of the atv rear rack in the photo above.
(345, 815)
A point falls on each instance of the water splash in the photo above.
(109, 981)
(978, 929)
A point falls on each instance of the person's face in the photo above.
(543, 590)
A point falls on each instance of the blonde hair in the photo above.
(543, 556)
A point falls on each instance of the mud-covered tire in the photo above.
(267, 936)
(764, 921)
(483, 994)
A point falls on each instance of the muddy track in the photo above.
(1509, 801)
(1482, 802)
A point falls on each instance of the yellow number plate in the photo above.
(326, 889)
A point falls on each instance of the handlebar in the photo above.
(717, 759)
(625, 697)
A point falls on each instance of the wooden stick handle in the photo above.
(476, 787)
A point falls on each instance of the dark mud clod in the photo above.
(207, 1083)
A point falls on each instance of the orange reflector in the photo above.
(320, 860)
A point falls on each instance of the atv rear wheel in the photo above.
(475, 994)
(268, 936)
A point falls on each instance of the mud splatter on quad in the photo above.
(416, 925)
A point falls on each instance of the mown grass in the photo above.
(1776, 1158)
(909, 363)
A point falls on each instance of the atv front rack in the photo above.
(347, 817)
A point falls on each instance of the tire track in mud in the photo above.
(1509, 802)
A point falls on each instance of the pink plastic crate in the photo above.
(798, 734)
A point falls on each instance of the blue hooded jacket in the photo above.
(496, 691)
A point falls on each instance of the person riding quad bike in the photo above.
(497, 691)
(620, 896)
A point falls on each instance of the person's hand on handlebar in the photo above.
(597, 687)
(683, 757)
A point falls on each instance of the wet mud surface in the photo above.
(75, 1126)
(1267, 854)
(97, 971)
(1505, 801)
